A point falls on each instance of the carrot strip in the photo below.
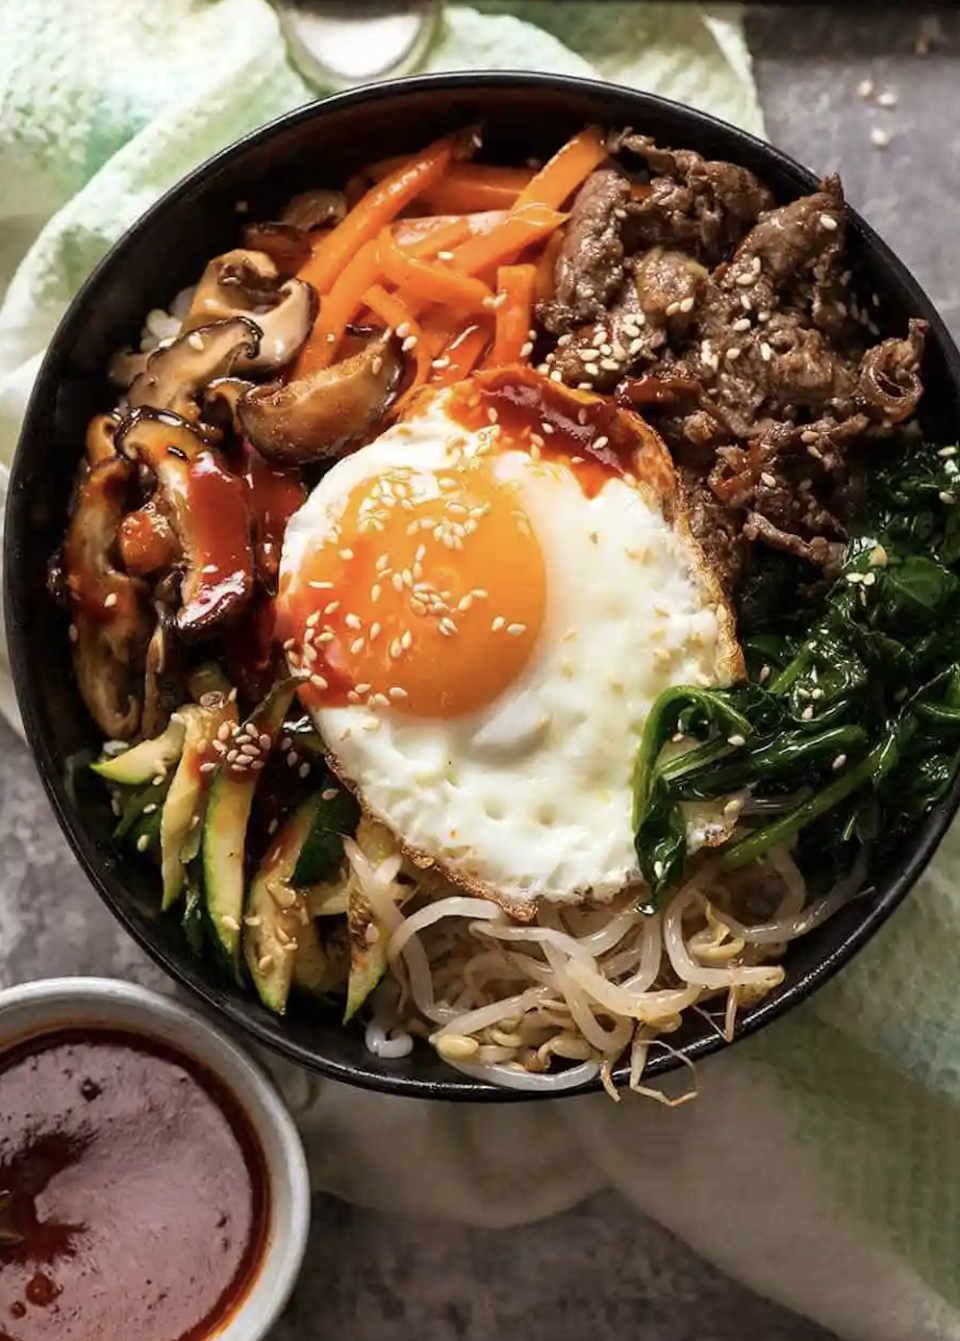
(432, 283)
(437, 240)
(462, 354)
(469, 187)
(569, 168)
(338, 309)
(546, 267)
(516, 285)
(390, 308)
(379, 207)
(501, 246)
(409, 232)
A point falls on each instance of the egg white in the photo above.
(530, 797)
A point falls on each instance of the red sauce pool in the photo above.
(136, 1189)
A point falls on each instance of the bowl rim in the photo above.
(108, 884)
(149, 1014)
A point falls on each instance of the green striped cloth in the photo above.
(818, 1164)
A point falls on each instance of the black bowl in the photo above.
(322, 145)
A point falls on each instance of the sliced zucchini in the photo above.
(140, 807)
(276, 913)
(183, 807)
(225, 827)
(321, 854)
(150, 759)
(368, 934)
(321, 965)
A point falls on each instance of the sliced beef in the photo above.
(589, 267)
(888, 386)
(694, 203)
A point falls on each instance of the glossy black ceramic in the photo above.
(321, 145)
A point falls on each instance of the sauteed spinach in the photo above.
(848, 729)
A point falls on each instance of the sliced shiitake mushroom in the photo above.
(176, 374)
(287, 245)
(111, 623)
(207, 509)
(164, 690)
(247, 283)
(313, 418)
(220, 401)
(99, 439)
(315, 209)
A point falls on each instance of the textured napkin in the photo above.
(820, 1163)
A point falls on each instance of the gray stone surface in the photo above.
(600, 1271)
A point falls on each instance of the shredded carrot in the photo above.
(502, 245)
(462, 354)
(569, 168)
(340, 306)
(439, 283)
(410, 232)
(546, 266)
(468, 187)
(436, 240)
(379, 207)
(516, 285)
(394, 311)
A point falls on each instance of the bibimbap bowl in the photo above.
(758, 864)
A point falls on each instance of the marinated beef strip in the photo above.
(731, 323)
(589, 266)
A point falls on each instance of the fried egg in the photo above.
(488, 599)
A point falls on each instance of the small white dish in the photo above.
(336, 44)
(36, 1008)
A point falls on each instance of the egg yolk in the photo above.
(428, 597)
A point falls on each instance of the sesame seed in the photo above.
(357, 646)
(396, 692)
(208, 767)
(732, 354)
(736, 741)
(610, 365)
(879, 138)
(887, 99)
(526, 349)
(370, 724)
(253, 751)
(498, 624)
(447, 627)
(303, 770)
(672, 309)
(265, 964)
(764, 674)
(223, 731)
(865, 89)
(230, 923)
(766, 353)
(807, 713)
(74, 633)
(839, 762)
(816, 694)
(745, 279)
(406, 640)
(143, 842)
(686, 304)
(591, 369)
(395, 650)
(403, 330)
(869, 579)
(465, 602)
(444, 255)
(742, 324)
(374, 632)
(757, 265)
(409, 344)
(746, 302)
(768, 479)
(828, 222)
(332, 608)
(854, 578)
(947, 497)
(808, 436)
(516, 630)
(346, 555)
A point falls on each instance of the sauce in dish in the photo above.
(133, 1193)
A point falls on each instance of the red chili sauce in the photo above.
(133, 1192)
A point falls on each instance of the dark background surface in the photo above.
(602, 1271)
